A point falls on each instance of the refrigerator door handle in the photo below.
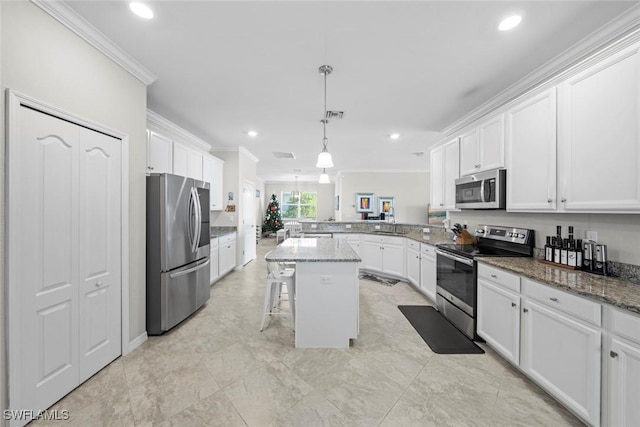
(193, 224)
(191, 270)
(198, 219)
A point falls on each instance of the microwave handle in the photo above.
(482, 190)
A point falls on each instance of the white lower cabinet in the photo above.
(214, 259)
(413, 261)
(623, 370)
(562, 354)
(428, 270)
(384, 254)
(227, 253)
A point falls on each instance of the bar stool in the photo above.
(276, 279)
(282, 233)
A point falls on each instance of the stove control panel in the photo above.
(507, 234)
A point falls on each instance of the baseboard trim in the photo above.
(136, 342)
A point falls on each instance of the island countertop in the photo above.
(313, 250)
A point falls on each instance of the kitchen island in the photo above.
(327, 290)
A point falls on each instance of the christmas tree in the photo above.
(272, 218)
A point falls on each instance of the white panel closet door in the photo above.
(45, 257)
(100, 272)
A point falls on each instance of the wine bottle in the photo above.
(548, 250)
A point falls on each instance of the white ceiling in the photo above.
(225, 67)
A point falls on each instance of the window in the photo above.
(299, 208)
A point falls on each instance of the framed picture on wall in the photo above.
(364, 202)
(385, 205)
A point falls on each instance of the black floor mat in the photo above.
(437, 332)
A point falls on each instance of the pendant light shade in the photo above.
(324, 178)
(324, 158)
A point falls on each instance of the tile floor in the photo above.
(217, 369)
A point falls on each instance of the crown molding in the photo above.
(64, 14)
(155, 120)
(617, 34)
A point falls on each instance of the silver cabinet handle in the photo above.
(513, 304)
(99, 284)
(476, 166)
(554, 299)
(564, 199)
(525, 310)
(549, 200)
(613, 354)
(441, 204)
(494, 276)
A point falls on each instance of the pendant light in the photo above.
(295, 195)
(324, 158)
(324, 178)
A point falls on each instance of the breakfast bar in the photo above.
(327, 288)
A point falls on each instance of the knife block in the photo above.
(465, 238)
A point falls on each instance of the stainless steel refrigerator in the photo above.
(178, 238)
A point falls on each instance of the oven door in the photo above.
(456, 281)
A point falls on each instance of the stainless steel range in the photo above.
(457, 270)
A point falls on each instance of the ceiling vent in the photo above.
(334, 115)
(282, 155)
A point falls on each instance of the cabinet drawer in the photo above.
(413, 244)
(574, 305)
(428, 251)
(227, 238)
(388, 240)
(500, 277)
(214, 242)
(625, 325)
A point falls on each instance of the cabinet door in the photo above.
(599, 127)
(214, 264)
(563, 356)
(413, 266)
(451, 172)
(180, 159)
(499, 319)
(624, 385)
(159, 154)
(428, 272)
(531, 154)
(491, 144)
(372, 259)
(469, 153)
(393, 260)
(194, 165)
(437, 178)
(212, 173)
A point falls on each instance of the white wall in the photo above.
(325, 194)
(43, 59)
(409, 189)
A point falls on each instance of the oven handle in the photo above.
(456, 258)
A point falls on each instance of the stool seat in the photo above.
(278, 278)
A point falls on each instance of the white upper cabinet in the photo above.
(180, 159)
(599, 145)
(159, 153)
(212, 172)
(483, 147)
(531, 154)
(194, 165)
(444, 171)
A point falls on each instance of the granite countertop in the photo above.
(313, 250)
(217, 231)
(610, 290)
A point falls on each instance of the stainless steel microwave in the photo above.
(483, 190)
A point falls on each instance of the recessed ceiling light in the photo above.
(252, 133)
(394, 136)
(510, 22)
(141, 10)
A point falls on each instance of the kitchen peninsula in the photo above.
(327, 290)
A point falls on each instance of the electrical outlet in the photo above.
(426, 230)
(326, 279)
(591, 235)
(377, 227)
(348, 226)
(314, 225)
